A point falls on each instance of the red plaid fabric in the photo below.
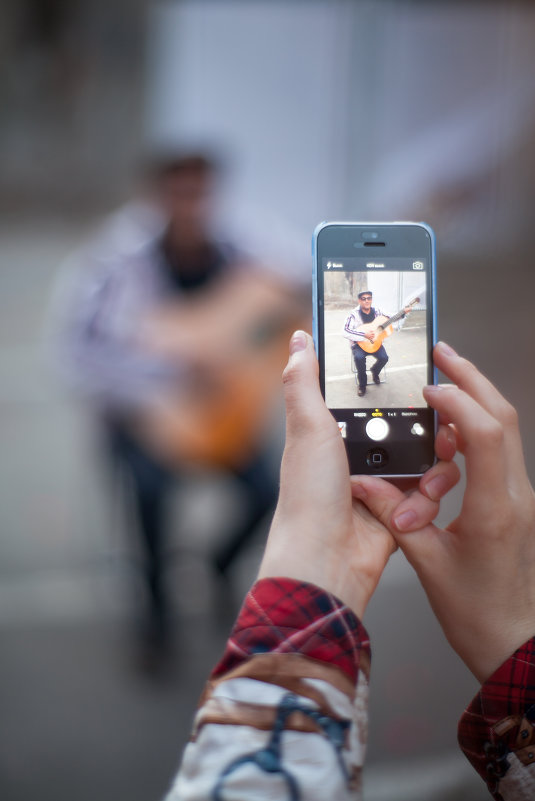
(508, 693)
(286, 616)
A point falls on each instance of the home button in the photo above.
(377, 457)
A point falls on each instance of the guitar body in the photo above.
(380, 334)
(220, 411)
(381, 328)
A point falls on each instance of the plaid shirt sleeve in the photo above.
(285, 616)
(497, 731)
(284, 713)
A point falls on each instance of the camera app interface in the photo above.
(376, 346)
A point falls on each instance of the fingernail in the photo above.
(447, 350)
(450, 435)
(404, 520)
(438, 387)
(298, 342)
(436, 488)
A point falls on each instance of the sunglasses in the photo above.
(366, 297)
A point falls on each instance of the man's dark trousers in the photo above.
(359, 355)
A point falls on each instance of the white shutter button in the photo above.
(377, 428)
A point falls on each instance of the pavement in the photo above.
(80, 719)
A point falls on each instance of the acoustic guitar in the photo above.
(381, 327)
(233, 345)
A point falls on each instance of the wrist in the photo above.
(484, 647)
(487, 661)
(341, 581)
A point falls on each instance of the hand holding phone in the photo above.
(369, 278)
(321, 533)
(478, 571)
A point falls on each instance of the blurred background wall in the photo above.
(72, 102)
(381, 110)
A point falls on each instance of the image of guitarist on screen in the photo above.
(365, 330)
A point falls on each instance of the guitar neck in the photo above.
(393, 319)
(398, 315)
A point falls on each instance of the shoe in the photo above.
(361, 391)
(376, 379)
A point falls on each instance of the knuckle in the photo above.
(454, 473)
(509, 414)
(489, 433)
(500, 521)
(492, 432)
(301, 422)
(449, 474)
(289, 375)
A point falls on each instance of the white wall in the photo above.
(267, 83)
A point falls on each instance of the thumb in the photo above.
(305, 408)
(381, 497)
(388, 504)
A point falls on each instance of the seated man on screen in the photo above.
(355, 329)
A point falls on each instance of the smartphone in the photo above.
(374, 321)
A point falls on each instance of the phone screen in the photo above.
(375, 332)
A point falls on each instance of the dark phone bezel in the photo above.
(401, 239)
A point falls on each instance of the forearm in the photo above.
(353, 329)
(96, 334)
(286, 704)
(114, 375)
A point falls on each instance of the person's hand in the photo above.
(320, 533)
(407, 309)
(479, 572)
(370, 335)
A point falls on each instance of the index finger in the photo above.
(468, 378)
(482, 434)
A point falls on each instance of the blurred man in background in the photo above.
(178, 338)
